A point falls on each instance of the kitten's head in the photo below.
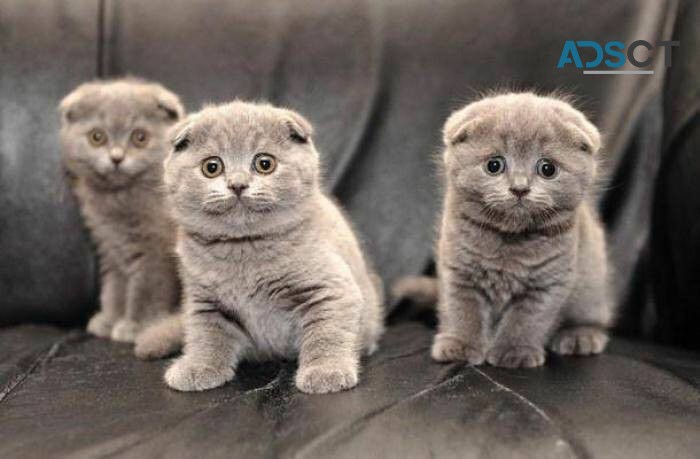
(520, 162)
(113, 132)
(240, 169)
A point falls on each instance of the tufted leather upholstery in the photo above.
(377, 78)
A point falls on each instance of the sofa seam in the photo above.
(532, 405)
(99, 68)
(43, 359)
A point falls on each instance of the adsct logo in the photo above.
(613, 55)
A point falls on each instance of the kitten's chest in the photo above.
(504, 272)
(237, 281)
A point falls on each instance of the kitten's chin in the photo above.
(518, 217)
(237, 207)
(237, 223)
(113, 180)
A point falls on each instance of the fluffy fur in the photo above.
(271, 268)
(113, 136)
(521, 257)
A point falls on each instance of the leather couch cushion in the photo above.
(83, 397)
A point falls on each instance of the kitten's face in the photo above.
(237, 168)
(520, 162)
(115, 133)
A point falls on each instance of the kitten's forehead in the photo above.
(241, 125)
(522, 121)
(122, 101)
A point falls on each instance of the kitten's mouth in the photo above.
(228, 204)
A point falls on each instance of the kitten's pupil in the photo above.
(97, 137)
(212, 167)
(264, 163)
(546, 169)
(495, 165)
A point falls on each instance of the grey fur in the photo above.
(119, 185)
(274, 273)
(162, 338)
(512, 279)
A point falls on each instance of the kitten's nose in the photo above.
(238, 182)
(519, 192)
(238, 188)
(117, 155)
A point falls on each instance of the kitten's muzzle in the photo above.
(238, 188)
(519, 192)
(116, 155)
(238, 182)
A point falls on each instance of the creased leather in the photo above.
(92, 398)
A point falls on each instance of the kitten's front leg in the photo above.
(214, 344)
(462, 313)
(112, 301)
(151, 292)
(330, 347)
(524, 329)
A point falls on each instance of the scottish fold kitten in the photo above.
(113, 139)
(271, 267)
(521, 254)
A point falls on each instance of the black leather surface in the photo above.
(46, 264)
(80, 397)
(377, 79)
(675, 247)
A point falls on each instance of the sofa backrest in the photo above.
(376, 78)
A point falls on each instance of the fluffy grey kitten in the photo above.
(113, 136)
(271, 268)
(521, 253)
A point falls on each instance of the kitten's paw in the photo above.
(101, 325)
(516, 356)
(125, 330)
(579, 341)
(323, 378)
(187, 376)
(150, 345)
(450, 349)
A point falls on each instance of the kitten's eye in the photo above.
(495, 165)
(212, 167)
(546, 168)
(139, 138)
(264, 163)
(97, 137)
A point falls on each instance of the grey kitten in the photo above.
(113, 139)
(521, 253)
(271, 268)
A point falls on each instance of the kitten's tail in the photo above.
(420, 290)
(161, 339)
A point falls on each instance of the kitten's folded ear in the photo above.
(169, 104)
(583, 133)
(300, 130)
(460, 126)
(180, 135)
(74, 105)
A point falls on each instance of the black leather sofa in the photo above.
(378, 79)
